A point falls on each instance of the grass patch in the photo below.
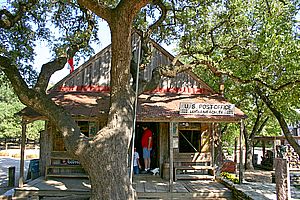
(4, 153)
(32, 156)
(16, 155)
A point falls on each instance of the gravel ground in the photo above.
(12, 160)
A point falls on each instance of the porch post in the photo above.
(21, 178)
(171, 132)
(135, 110)
(213, 144)
(241, 165)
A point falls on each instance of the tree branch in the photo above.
(46, 71)
(98, 8)
(162, 17)
(281, 121)
(40, 102)
(49, 68)
(8, 20)
(147, 52)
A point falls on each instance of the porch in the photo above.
(146, 186)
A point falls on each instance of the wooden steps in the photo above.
(62, 165)
(194, 172)
(153, 187)
(67, 171)
(194, 177)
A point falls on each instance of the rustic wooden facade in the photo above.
(182, 142)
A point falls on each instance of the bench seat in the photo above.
(210, 175)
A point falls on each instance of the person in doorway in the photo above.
(136, 162)
(147, 146)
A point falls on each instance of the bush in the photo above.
(230, 177)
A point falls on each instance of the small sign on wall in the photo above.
(206, 109)
(175, 142)
(174, 133)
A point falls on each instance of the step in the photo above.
(194, 177)
(71, 175)
(64, 167)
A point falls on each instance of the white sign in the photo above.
(206, 109)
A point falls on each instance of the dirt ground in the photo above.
(261, 176)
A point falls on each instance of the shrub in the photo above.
(230, 177)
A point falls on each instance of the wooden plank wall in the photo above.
(96, 71)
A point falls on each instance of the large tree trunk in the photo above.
(108, 164)
(219, 156)
(248, 152)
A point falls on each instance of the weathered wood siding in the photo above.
(94, 75)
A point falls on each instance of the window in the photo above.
(189, 141)
(193, 137)
(88, 128)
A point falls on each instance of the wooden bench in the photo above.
(193, 166)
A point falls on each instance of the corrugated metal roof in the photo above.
(151, 107)
(165, 107)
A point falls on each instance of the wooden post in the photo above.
(173, 127)
(235, 150)
(282, 179)
(241, 165)
(21, 178)
(11, 176)
(253, 152)
(264, 148)
(212, 144)
(274, 153)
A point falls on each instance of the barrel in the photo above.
(166, 171)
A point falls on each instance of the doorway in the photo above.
(154, 127)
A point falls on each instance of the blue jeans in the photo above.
(136, 170)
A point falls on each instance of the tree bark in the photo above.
(106, 163)
(109, 174)
(248, 152)
(218, 149)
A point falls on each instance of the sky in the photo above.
(43, 54)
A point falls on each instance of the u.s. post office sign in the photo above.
(206, 109)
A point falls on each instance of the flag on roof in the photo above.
(71, 65)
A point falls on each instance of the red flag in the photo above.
(71, 64)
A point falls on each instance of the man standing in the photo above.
(147, 146)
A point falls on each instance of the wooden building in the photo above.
(182, 112)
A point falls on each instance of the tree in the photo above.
(253, 48)
(10, 123)
(194, 20)
(10, 126)
(109, 179)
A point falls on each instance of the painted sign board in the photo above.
(206, 109)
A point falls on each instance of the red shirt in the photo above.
(145, 138)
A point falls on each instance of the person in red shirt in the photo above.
(147, 146)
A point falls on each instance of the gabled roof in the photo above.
(94, 75)
(85, 92)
